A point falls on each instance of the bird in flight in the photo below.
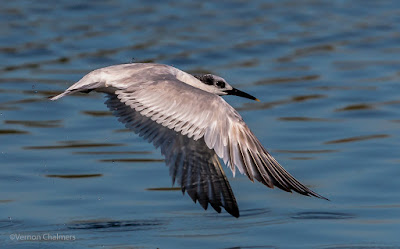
(184, 116)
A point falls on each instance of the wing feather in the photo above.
(192, 127)
(155, 91)
(191, 163)
(200, 115)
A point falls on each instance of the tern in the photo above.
(185, 116)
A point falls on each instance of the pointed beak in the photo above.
(239, 93)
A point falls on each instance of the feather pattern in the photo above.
(201, 115)
(192, 164)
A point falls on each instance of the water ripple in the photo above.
(267, 105)
(36, 123)
(252, 247)
(355, 107)
(112, 152)
(12, 132)
(97, 113)
(9, 224)
(307, 119)
(254, 212)
(164, 189)
(75, 176)
(306, 151)
(116, 225)
(71, 144)
(281, 80)
(357, 139)
(322, 216)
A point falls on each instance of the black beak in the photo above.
(239, 93)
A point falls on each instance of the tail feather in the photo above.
(60, 95)
(78, 87)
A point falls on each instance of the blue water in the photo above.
(327, 74)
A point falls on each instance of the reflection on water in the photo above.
(115, 226)
(356, 107)
(72, 144)
(306, 151)
(254, 212)
(287, 80)
(35, 123)
(356, 139)
(268, 105)
(327, 73)
(306, 51)
(8, 224)
(164, 189)
(5, 201)
(322, 216)
(75, 176)
(306, 119)
(368, 106)
(112, 152)
(12, 131)
(97, 113)
(302, 158)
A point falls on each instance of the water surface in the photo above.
(327, 74)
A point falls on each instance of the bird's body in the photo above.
(185, 116)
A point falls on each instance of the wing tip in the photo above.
(319, 196)
(235, 212)
(311, 193)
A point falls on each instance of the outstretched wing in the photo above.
(157, 92)
(207, 118)
(191, 163)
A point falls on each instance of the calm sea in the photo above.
(327, 74)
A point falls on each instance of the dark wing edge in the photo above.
(191, 163)
(239, 147)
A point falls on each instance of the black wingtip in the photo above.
(317, 195)
(324, 198)
(233, 211)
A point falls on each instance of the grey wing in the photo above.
(204, 116)
(191, 163)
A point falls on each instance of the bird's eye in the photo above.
(220, 84)
(209, 81)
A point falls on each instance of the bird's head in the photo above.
(220, 87)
